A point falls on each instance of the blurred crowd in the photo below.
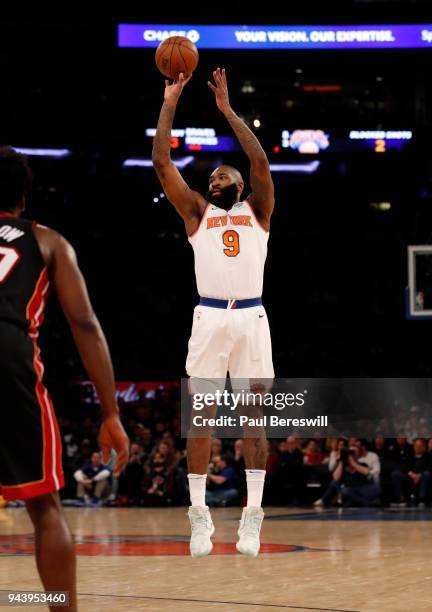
(315, 471)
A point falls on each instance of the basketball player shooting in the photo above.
(230, 331)
(32, 258)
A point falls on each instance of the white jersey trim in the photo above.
(238, 204)
(267, 232)
(200, 223)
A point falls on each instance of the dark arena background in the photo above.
(348, 133)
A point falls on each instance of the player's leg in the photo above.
(55, 551)
(198, 452)
(198, 448)
(255, 454)
(198, 456)
(30, 457)
(206, 364)
(251, 360)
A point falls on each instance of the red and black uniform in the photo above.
(30, 444)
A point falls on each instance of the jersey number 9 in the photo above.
(231, 240)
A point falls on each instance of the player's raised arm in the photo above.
(262, 197)
(188, 203)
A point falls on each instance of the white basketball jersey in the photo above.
(230, 249)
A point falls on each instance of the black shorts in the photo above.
(30, 443)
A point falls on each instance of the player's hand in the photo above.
(220, 90)
(173, 90)
(112, 435)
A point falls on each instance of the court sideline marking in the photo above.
(212, 601)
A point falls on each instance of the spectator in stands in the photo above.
(312, 454)
(361, 476)
(168, 438)
(167, 453)
(335, 454)
(401, 452)
(379, 446)
(70, 453)
(337, 448)
(176, 429)
(291, 474)
(414, 477)
(143, 414)
(271, 486)
(143, 436)
(92, 480)
(132, 477)
(70, 445)
(160, 428)
(355, 478)
(222, 483)
(273, 459)
(316, 470)
(158, 482)
(238, 461)
(239, 466)
(330, 444)
(84, 454)
(89, 430)
(216, 448)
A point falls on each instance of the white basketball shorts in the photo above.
(234, 340)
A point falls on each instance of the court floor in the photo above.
(137, 559)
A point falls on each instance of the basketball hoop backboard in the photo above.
(419, 290)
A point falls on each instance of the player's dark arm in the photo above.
(188, 203)
(71, 290)
(262, 198)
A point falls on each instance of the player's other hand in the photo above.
(112, 435)
(173, 90)
(220, 90)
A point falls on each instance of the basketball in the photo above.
(176, 54)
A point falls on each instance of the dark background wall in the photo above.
(336, 270)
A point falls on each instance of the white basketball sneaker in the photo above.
(249, 531)
(202, 529)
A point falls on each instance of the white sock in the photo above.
(197, 489)
(255, 487)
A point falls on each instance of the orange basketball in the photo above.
(176, 54)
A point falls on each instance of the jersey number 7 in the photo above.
(9, 257)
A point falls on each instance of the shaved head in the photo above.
(231, 171)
